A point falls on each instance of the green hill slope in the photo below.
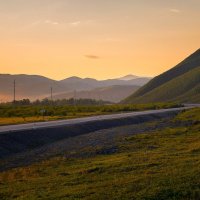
(191, 96)
(181, 83)
(180, 89)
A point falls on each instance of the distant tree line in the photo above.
(59, 102)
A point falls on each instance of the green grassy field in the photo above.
(24, 114)
(161, 164)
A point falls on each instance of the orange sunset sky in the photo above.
(96, 38)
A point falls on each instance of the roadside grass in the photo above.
(25, 114)
(23, 120)
(190, 115)
(158, 165)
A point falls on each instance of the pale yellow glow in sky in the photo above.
(96, 38)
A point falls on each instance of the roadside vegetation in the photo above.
(41, 111)
(161, 164)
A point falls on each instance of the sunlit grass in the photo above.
(21, 120)
(163, 164)
(26, 114)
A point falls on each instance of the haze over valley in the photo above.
(35, 87)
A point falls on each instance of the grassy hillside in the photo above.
(181, 69)
(184, 88)
(191, 96)
(162, 164)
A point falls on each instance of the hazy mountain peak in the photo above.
(128, 77)
(74, 78)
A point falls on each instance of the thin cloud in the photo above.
(174, 10)
(55, 23)
(82, 23)
(91, 56)
(51, 22)
(77, 23)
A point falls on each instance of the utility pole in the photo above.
(51, 94)
(14, 91)
(99, 98)
(74, 97)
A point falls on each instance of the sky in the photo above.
(96, 38)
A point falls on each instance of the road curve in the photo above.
(78, 121)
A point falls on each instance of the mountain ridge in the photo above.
(185, 65)
(170, 81)
(114, 93)
(38, 87)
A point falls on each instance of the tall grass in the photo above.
(31, 111)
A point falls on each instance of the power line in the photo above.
(14, 91)
(51, 94)
(74, 97)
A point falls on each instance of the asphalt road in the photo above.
(60, 123)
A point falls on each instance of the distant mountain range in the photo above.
(38, 87)
(27, 86)
(114, 93)
(181, 84)
(77, 83)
